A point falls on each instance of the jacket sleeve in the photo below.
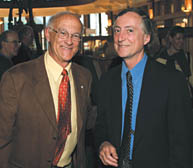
(180, 119)
(8, 108)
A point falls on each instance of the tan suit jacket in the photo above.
(28, 128)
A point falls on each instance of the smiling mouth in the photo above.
(122, 46)
(66, 48)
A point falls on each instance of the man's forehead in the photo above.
(130, 14)
(126, 25)
(66, 20)
(66, 17)
(128, 18)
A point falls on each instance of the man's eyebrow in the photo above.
(116, 26)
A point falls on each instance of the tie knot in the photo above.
(64, 72)
(129, 76)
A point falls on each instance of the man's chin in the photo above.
(124, 56)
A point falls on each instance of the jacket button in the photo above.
(49, 161)
(54, 138)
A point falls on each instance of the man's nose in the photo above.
(69, 39)
(122, 36)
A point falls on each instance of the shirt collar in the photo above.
(137, 70)
(54, 68)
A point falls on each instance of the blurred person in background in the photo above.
(9, 46)
(174, 56)
(26, 36)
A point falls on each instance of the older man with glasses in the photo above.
(45, 104)
(9, 46)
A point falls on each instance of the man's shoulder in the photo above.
(28, 65)
(112, 74)
(158, 63)
(80, 69)
(162, 72)
(27, 69)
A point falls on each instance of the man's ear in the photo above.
(47, 34)
(146, 38)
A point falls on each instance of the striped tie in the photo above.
(125, 150)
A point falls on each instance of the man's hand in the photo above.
(108, 154)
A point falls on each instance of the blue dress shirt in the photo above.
(137, 76)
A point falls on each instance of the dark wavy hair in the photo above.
(176, 29)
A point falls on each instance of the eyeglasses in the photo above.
(63, 34)
(16, 42)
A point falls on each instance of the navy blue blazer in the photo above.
(163, 134)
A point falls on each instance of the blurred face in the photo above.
(28, 39)
(11, 45)
(177, 41)
(129, 37)
(64, 38)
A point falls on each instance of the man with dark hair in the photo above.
(9, 46)
(144, 115)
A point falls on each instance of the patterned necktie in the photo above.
(124, 158)
(64, 116)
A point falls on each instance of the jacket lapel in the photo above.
(42, 91)
(79, 92)
(116, 98)
(144, 101)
